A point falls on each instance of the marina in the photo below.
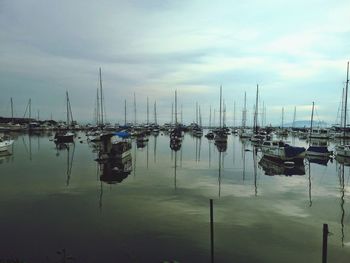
(153, 204)
(174, 131)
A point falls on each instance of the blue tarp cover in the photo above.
(292, 151)
(122, 134)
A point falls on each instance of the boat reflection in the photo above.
(221, 146)
(70, 157)
(341, 175)
(114, 158)
(115, 170)
(5, 156)
(319, 160)
(343, 160)
(272, 167)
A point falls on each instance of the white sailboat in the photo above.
(317, 146)
(5, 144)
(65, 136)
(344, 149)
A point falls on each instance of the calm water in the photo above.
(52, 199)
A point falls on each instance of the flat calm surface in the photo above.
(53, 199)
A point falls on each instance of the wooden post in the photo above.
(324, 246)
(211, 231)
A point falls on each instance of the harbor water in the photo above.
(58, 202)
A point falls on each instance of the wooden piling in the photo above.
(325, 243)
(211, 231)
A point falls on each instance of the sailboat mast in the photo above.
(210, 117)
(220, 105)
(155, 112)
(282, 116)
(172, 112)
(97, 108)
(234, 114)
(11, 110)
(147, 111)
(244, 113)
(67, 99)
(134, 109)
(181, 115)
(124, 112)
(175, 108)
(342, 108)
(346, 98)
(30, 109)
(312, 118)
(294, 116)
(256, 110)
(101, 97)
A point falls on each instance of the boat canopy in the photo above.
(122, 134)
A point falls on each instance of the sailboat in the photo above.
(244, 132)
(176, 133)
(221, 133)
(5, 144)
(316, 147)
(95, 135)
(66, 136)
(344, 149)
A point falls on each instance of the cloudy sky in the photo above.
(295, 50)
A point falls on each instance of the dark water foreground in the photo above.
(53, 199)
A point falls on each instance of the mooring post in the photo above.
(211, 230)
(325, 240)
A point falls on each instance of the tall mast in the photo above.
(172, 112)
(67, 100)
(244, 113)
(282, 116)
(101, 97)
(147, 111)
(312, 118)
(11, 110)
(135, 121)
(220, 104)
(155, 112)
(214, 117)
(346, 99)
(175, 107)
(224, 114)
(234, 114)
(30, 108)
(200, 116)
(256, 110)
(295, 114)
(262, 115)
(124, 112)
(181, 115)
(196, 112)
(97, 108)
(342, 109)
(210, 117)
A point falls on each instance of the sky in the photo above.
(296, 51)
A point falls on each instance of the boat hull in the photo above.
(5, 145)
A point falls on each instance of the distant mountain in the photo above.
(301, 124)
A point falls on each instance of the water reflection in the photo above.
(341, 175)
(114, 171)
(183, 202)
(272, 167)
(6, 156)
(255, 163)
(70, 157)
(319, 160)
